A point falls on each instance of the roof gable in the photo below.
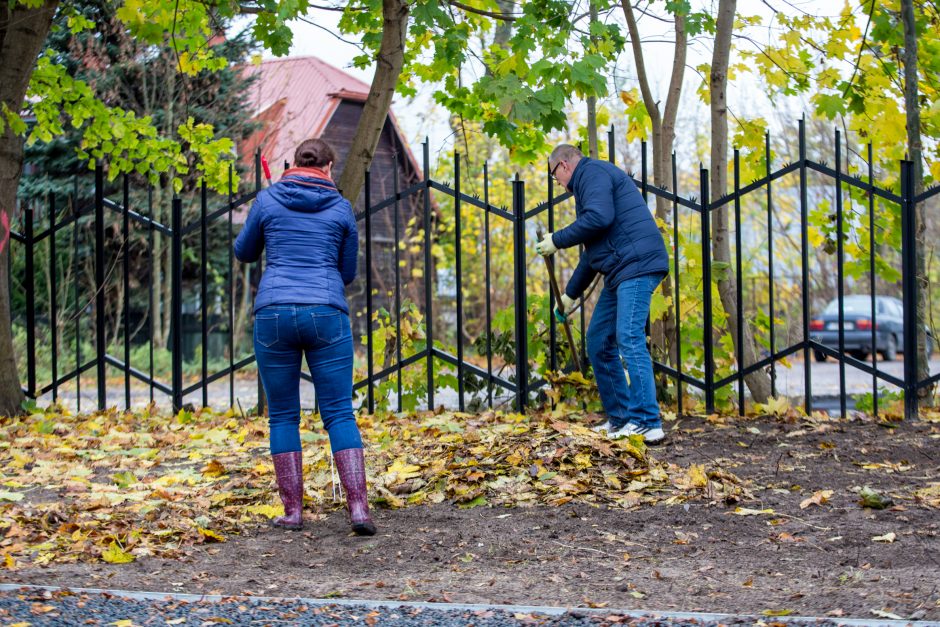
(294, 99)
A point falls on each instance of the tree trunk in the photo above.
(758, 382)
(915, 150)
(388, 67)
(664, 135)
(22, 34)
(592, 100)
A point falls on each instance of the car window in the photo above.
(853, 305)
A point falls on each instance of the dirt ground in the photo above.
(836, 558)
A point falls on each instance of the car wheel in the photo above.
(819, 356)
(859, 354)
(890, 351)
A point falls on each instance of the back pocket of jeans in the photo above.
(331, 327)
(266, 330)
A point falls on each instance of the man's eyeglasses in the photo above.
(555, 169)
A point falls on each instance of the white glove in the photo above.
(546, 247)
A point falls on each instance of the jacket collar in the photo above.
(578, 171)
(309, 173)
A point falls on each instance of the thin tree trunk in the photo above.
(22, 34)
(592, 101)
(390, 60)
(664, 135)
(915, 154)
(758, 382)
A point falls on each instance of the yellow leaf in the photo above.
(697, 476)
(124, 622)
(777, 612)
(114, 554)
(746, 511)
(888, 537)
(819, 497)
(775, 406)
(211, 536)
(269, 511)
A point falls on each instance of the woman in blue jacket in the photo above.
(300, 311)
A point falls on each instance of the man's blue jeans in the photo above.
(618, 330)
(283, 335)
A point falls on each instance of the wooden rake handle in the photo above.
(550, 264)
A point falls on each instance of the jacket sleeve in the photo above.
(597, 209)
(580, 279)
(250, 241)
(349, 251)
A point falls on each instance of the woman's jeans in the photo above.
(283, 335)
(618, 330)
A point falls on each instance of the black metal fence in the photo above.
(112, 220)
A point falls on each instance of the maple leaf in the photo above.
(114, 554)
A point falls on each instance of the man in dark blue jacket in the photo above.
(621, 242)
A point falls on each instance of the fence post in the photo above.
(370, 360)
(30, 285)
(909, 287)
(707, 295)
(99, 286)
(804, 271)
(428, 268)
(176, 302)
(522, 318)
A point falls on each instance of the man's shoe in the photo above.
(603, 428)
(652, 435)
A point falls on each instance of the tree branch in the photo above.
(496, 16)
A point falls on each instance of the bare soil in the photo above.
(821, 560)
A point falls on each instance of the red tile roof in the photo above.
(295, 98)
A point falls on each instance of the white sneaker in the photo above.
(605, 427)
(652, 435)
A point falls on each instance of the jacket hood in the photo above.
(307, 190)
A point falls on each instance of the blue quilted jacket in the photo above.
(620, 236)
(312, 244)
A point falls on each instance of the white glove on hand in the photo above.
(563, 308)
(566, 304)
(546, 247)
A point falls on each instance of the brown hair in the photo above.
(313, 153)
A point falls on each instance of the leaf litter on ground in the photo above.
(116, 486)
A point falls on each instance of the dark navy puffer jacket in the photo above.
(620, 236)
(310, 234)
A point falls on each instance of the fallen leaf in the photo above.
(114, 554)
(746, 511)
(888, 537)
(819, 497)
(777, 612)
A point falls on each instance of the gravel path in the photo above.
(54, 606)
